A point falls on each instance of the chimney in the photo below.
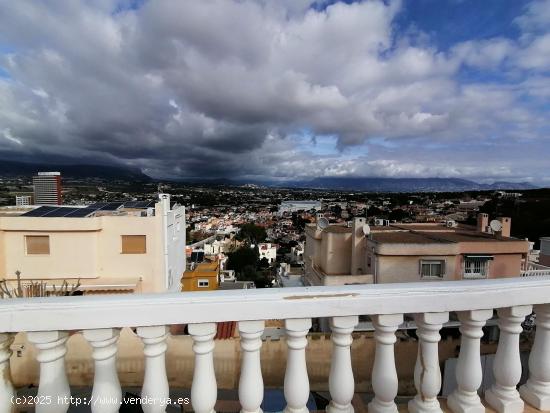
(482, 222)
(506, 226)
(357, 242)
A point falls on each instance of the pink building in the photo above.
(392, 253)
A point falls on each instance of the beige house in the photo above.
(340, 254)
(124, 249)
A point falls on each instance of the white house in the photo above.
(268, 251)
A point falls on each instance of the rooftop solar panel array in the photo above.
(81, 213)
(38, 212)
(72, 212)
(58, 212)
(139, 204)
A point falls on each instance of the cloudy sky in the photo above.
(280, 89)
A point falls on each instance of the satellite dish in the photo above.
(322, 223)
(366, 229)
(496, 225)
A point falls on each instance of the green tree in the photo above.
(241, 258)
(251, 233)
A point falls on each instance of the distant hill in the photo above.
(403, 184)
(14, 168)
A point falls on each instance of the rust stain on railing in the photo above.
(305, 297)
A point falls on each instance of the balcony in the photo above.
(48, 321)
(534, 269)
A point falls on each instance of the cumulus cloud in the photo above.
(218, 88)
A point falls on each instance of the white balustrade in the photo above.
(100, 317)
(53, 387)
(503, 396)
(427, 373)
(204, 390)
(251, 384)
(384, 373)
(296, 385)
(536, 391)
(106, 393)
(155, 383)
(341, 382)
(469, 375)
(6, 387)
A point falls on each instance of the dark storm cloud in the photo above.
(239, 88)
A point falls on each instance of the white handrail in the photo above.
(91, 312)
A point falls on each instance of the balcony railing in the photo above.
(47, 322)
(534, 269)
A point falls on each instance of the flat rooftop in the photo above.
(428, 237)
(80, 211)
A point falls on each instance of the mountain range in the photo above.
(369, 184)
(15, 168)
(366, 184)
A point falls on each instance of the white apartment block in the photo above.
(125, 249)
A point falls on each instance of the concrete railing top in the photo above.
(91, 312)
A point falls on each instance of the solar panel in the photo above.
(139, 204)
(81, 212)
(40, 211)
(112, 206)
(97, 205)
(59, 212)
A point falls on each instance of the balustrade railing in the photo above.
(47, 322)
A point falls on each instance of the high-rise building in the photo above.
(47, 188)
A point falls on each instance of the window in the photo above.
(133, 244)
(203, 282)
(37, 244)
(476, 267)
(432, 268)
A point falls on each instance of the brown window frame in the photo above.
(132, 251)
(30, 251)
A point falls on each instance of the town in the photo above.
(155, 237)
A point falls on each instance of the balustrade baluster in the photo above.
(204, 390)
(341, 382)
(384, 373)
(503, 396)
(6, 387)
(536, 391)
(296, 386)
(53, 385)
(106, 393)
(469, 374)
(427, 374)
(251, 384)
(155, 383)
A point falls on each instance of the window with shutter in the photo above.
(37, 244)
(134, 244)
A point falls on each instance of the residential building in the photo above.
(343, 254)
(295, 206)
(296, 254)
(268, 251)
(202, 276)
(107, 246)
(544, 255)
(23, 200)
(47, 188)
